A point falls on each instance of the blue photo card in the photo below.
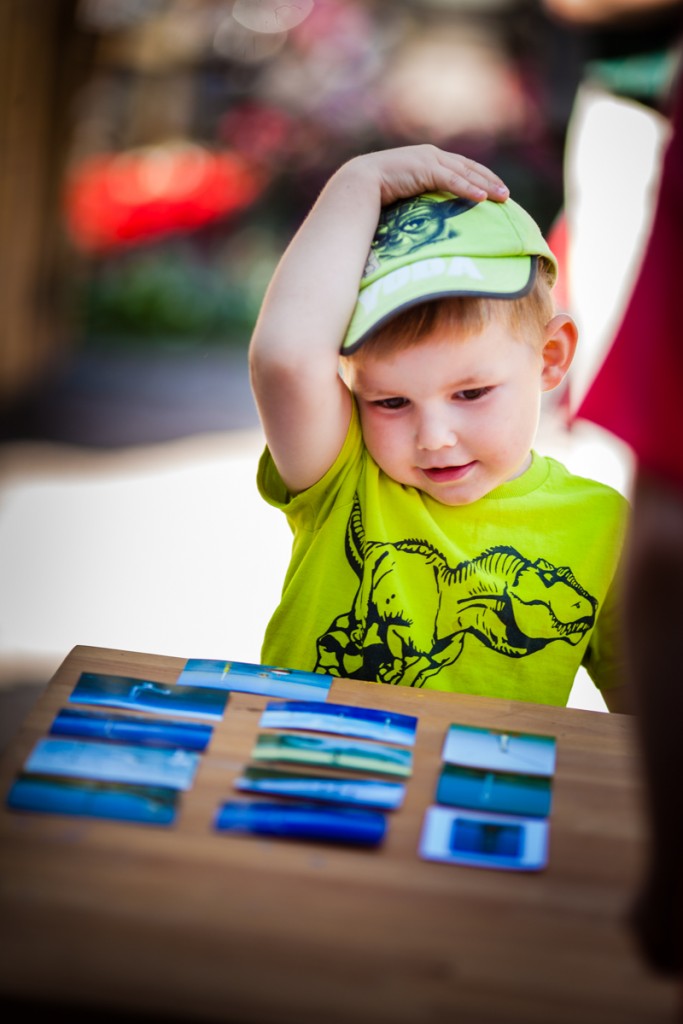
(150, 805)
(147, 695)
(149, 732)
(303, 821)
(498, 751)
(503, 841)
(358, 755)
(267, 680)
(342, 719)
(113, 762)
(376, 793)
(482, 790)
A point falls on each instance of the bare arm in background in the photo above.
(596, 12)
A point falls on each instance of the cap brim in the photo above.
(382, 297)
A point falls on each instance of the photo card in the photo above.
(303, 821)
(482, 790)
(53, 794)
(147, 695)
(113, 762)
(149, 732)
(500, 841)
(341, 719)
(492, 749)
(266, 680)
(376, 793)
(333, 752)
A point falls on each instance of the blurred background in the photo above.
(155, 158)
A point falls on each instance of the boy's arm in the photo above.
(606, 657)
(619, 699)
(294, 354)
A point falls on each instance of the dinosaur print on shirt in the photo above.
(501, 599)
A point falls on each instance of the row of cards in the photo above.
(133, 768)
(201, 690)
(325, 807)
(493, 800)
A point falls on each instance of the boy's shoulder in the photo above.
(588, 488)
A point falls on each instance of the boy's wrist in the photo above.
(359, 178)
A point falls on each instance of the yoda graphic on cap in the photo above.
(409, 224)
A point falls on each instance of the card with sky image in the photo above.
(49, 794)
(376, 793)
(504, 792)
(267, 680)
(113, 762)
(341, 719)
(334, 752)
(147, 695)
(502, 841)
(149, 732)
(498, 751)
(303, 821)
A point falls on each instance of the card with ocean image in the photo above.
(341, 719)
(267, 680)
(49, 794)
(502, 841)
(331, 752)
(482, 790)
(149, 732)
(376, 793)
(113, 762)
(147, 695)
(492, 749)
(303, 821)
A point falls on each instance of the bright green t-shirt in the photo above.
(505, 597)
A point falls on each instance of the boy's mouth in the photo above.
(447, 474)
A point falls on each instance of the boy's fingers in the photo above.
(474, 181)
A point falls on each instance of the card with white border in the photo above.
(500, 841)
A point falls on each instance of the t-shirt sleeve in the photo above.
(309, 505)
(605, 659)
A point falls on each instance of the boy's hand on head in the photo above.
(304, 405)
(410, 170)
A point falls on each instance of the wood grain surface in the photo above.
(184, 922)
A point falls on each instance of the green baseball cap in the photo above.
(437, 245)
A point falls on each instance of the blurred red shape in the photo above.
(116, 200)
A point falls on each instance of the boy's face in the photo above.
(453, 417)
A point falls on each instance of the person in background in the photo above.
(636, 394)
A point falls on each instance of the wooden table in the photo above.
(192, 924)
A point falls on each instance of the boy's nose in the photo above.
(435, 432)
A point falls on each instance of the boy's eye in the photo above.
(472, 394)
(391, 403)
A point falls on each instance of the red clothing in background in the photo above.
(638, 392)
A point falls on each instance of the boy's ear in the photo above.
(561, 336)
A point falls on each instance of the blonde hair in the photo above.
(465, 315)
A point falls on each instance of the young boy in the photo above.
(432, 547)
